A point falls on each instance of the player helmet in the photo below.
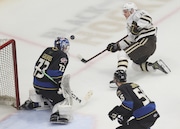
(129, 6)
(120, 76)
(62, 44)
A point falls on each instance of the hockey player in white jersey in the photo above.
(139, 44)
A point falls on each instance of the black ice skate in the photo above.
(56, 118)
(160, 65)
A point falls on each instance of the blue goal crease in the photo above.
(40, 119)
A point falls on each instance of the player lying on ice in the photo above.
(51, 88)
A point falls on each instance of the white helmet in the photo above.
(129, 6)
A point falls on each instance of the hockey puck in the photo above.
(72, 37)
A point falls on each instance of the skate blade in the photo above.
(165, 67)
(60, 122)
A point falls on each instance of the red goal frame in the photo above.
(13, 43)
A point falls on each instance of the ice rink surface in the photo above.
(34, 24)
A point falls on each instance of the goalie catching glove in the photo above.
(113, 47)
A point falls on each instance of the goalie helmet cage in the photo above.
(9, 89)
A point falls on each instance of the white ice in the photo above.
(34, 24)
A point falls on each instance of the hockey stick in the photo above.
(81, 101)
(85, 61)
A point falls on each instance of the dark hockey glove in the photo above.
(113, 113)
(120, 119)
(134, 29)
(113, 47)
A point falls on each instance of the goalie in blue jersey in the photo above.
(48, 90)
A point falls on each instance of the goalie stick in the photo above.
(85, 61)
(81, 101)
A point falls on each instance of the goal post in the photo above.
(9, 89)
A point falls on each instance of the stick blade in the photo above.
(83, 60)
(87, 97)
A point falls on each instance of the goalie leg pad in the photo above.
(35, 102)
(65, 112)
(55, 118)
(61, 113)
(36, 97)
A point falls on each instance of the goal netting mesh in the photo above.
(9, 93)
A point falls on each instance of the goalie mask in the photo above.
(120, 76)
(62, 44)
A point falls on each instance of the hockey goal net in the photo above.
(9, 91)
